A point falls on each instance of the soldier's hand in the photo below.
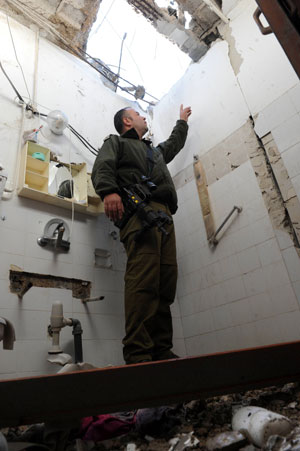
(185, 113)
(113, 206)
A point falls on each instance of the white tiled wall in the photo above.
(232, 293)
(22, 221)
(244, 293)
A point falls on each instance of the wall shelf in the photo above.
(34, 181)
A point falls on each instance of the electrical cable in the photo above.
(98, 26)
(12, 85)
(35, 112)
(20, 65)
(45, 24)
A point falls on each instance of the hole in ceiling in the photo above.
(129, 44)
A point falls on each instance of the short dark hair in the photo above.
(118, 120)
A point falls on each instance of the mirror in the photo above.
(66, 181)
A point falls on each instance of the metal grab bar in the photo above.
(213, 240)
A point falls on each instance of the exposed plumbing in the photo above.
(57, 322)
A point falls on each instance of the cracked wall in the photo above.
(247, 289)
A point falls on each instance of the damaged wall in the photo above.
(76, 89)
(73, 19)
(244, 292)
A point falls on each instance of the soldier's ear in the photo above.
(127, 121)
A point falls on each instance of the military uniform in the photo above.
(151, 272)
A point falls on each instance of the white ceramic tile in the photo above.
(283, 238)
(103, 353)
(275, 275)
(217, 295)
(287, 134)
(28, 324)
(247, 336)
(255, 282)
(248, 260)
(199, 323)
(262, 230)
(13, 216)
(8, 300)
(270, 330)
(279, 111)
(256, 209)
(241, 312)
(36, 299)
(296, 288)
(230, 267)
(291, 160)
(201, 344)
(175, 310)
(260, 306)
(283, 299)
(179, 347)
(42, 266)
(290, 326)
(228, 339)
(222, 317)
(32, 355)
(112, 304)
(187, 304)
(235, 289)
(294, 94)
(12, 241)
(97, 327)
(8, 362)
(269, 252)
(177, 328)
(292, 262)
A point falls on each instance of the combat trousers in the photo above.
(150, 287)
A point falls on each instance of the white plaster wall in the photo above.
(66, 83)
(218, 106)
(247, 291)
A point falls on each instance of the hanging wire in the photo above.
(20, 65)
(12, 85)
(98, 26)
(29, 107)
(79, 52)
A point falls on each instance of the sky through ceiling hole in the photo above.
(148, 58)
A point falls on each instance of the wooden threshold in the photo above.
(75, 395)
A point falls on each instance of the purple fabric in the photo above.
(103, 427)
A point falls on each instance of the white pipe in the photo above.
(257, 424)
(211, 4)
(36, 63)
(18, 156)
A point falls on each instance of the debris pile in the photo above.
(267, 420)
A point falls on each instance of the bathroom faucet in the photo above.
(53, 235)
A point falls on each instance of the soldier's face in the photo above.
(136, 121)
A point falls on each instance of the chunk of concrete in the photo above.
(228, 441)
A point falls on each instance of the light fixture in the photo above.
(57, 121)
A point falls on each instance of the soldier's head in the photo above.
(128, 118)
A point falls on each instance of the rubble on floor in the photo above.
(202, 425)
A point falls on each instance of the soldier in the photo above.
(151, 271)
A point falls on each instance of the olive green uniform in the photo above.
(151, 272)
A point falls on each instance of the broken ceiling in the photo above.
(73, 19)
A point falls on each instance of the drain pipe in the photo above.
(57, 322)
(77, 332)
